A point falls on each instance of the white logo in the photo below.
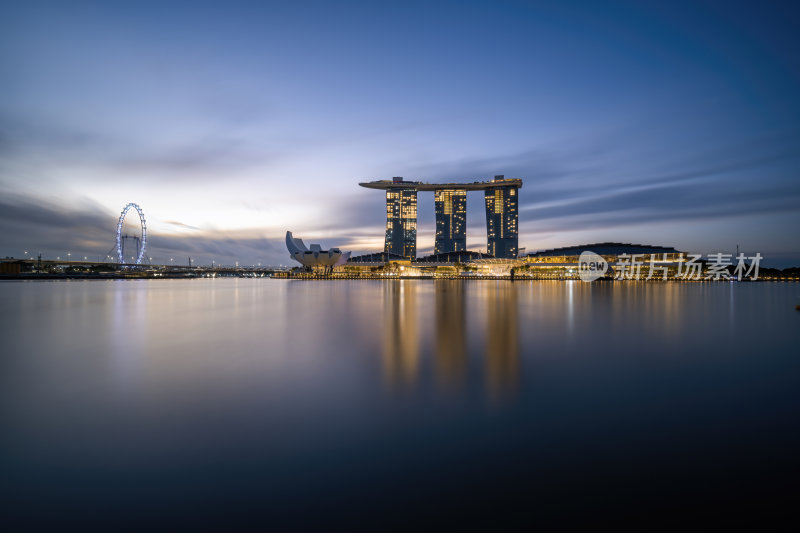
(591, 266)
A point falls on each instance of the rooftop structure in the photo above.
(400, 183)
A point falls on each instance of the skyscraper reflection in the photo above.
(401, 333)
(502, 340)
(416, 316)
(451, 344)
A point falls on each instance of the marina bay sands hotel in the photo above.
(502, 214)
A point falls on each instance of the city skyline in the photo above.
(673, 125)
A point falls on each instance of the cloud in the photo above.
(675, 201)
(85, 228)
(577, 184)
(578, 189)
(206, 158)
(181, 224)
(208, 152)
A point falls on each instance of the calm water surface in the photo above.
(368, 402)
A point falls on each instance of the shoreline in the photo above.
(311, 277)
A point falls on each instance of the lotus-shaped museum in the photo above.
(316, 256)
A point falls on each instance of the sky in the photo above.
(668, 123)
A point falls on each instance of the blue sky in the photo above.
(671, 123)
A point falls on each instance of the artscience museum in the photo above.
(315, 257)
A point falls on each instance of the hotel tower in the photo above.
(502, 213)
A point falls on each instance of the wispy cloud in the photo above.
(87, 229)
(181, 225)
(203, 153)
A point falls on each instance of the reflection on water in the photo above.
(495, 342)
(502, 342)
(224, 396)
(401, 349)
(451, 334)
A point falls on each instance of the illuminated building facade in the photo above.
(451, 215)
(502, 219)
(401, 221)
(451, 220)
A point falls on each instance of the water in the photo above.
(292, 403)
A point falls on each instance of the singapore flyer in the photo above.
(141, 240)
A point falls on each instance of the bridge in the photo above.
(35, 268)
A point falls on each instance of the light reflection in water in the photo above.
(401, 344)
(502, 342)
(128, 335)
(451, 339)
(494, 344)
(248, 389)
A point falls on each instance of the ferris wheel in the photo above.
(141, 239)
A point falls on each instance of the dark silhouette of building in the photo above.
(606, 249)
(379, 257)
(454, 257)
